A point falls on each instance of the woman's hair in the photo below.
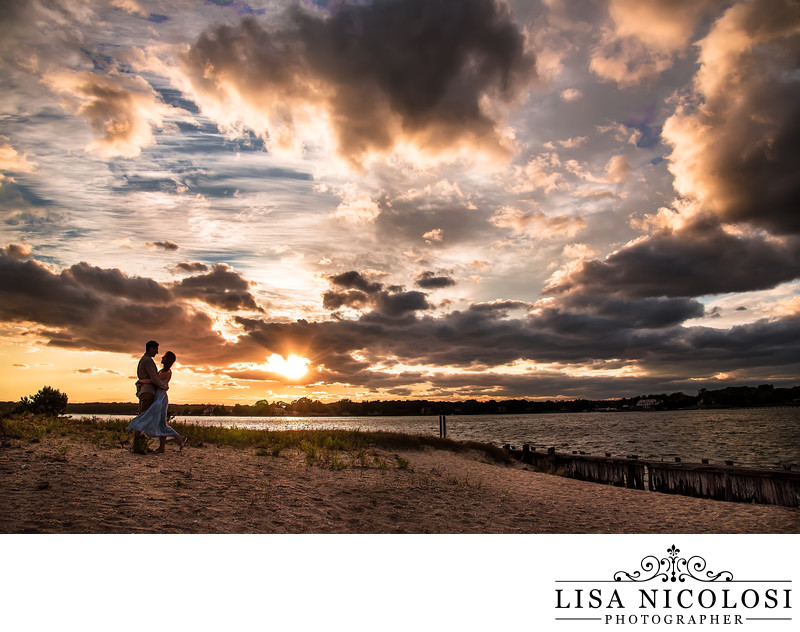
(168, 359)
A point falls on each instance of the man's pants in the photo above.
(145, 401)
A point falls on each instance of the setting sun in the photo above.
(293, 367)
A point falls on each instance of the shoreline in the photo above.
(132, 407)
(72, 482)
(769, 442)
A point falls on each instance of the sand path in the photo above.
(69, 485)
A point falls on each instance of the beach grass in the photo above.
(321, 447)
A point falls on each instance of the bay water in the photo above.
(751, 437)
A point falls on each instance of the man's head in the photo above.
(151, 348)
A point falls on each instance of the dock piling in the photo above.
(736, 484)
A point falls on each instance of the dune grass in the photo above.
(320, 446)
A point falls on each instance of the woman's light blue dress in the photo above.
(153, 421)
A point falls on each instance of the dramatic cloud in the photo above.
(115, 283)
(356, 280)
(627, 61)
(400, 304)
(436, 234)
(430, 281)
(334, 300)
(358, 210)
(483, 337)
(222, 287)
(646, 313)
(661, 24)
(17, 251)
(542, 172)
(735, 144)
(537, 224)
(644, 37)
(393, 302)
(696, 260)
(86, 307)
(378, 75)
(121, 110)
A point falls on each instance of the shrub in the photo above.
(48, 401)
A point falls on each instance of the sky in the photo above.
(399, 199)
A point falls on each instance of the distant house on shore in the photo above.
(647, 404)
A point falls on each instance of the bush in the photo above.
(48, 401)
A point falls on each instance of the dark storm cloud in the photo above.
(165, 245)
(646, 313)
(430, 281)
(355, 280)
(360, 292)
(115, 283)
(89, 308)
(697, 260)
(31, 292)
(479, 338)
(191, 266)
(421, 65)
(222, 287)
(400, 304)
(334, 300)
(762, 343)
(498, 309)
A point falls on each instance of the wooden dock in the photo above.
(736, 484)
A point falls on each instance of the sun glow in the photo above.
(293, 367)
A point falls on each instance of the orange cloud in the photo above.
(11, 160)
(537, 224)
(665, 25)
(735, 143)
(121, 111)
(541, 172)
(17, 251)
(618, 169)
(645, 37)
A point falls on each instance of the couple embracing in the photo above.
(151, 389)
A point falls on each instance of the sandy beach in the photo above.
(68, 484)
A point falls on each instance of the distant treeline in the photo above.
(731, 397)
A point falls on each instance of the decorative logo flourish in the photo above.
(673, 568)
